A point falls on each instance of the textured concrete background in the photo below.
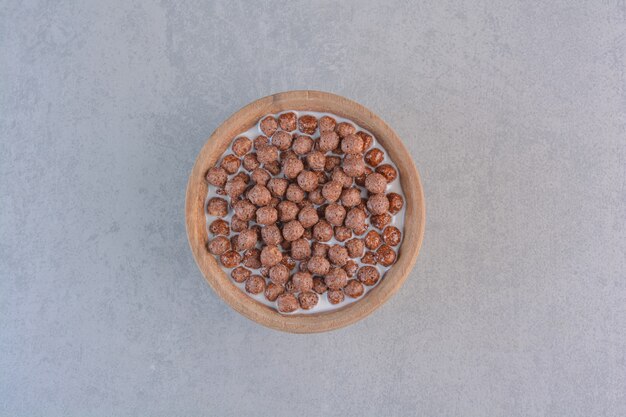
(515, 116)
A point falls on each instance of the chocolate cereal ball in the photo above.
(272, 291)
(250, 162)
(240, 274)
(379, 221)
(271, 235)
(246, 239)
(374, 157)
(338, 255)
(255, 284)
(294, 193)
(370, 258)
(277, 186)
(368, 275)
(230, 164)
(230, 259)
(342, 233)
(328, 141)
(308, 300)
(260, 176)
(335, 296)
(260, 141)
(319, 286)
(252, 258)
(279, 274)
(267, 154)
(316, 196)
(282, 140)
(292, 167)
(287, 303)
(237, 224)
(259, 195)
(344, 129)
(217, 176)
(318, 265)
(375, 183)
(331, 191)
(320, 249)
(392, 236)
(385, 255)
(300, 249)
(353, 165)
(217, 207)
(287, 210)
(266, 215)
(351, 267)
(270, 255)
(355, 219)
(367, 139)
(268, 125)
(334, 214)
(307, 124)
(395, 202)
(316, 161)
(287, 121)
(308, 217)
(307, 180)
(377, 204)
(323, 231)
(327, 124)
(243, 176)
(219, 227)
(351, 197)
(241, 146)
(352, 144)
(372, 240)
(388, 172)
(302, 281)
(354, 289)
(219, 245)
(292, 230)
(244, 210)
(302, 145)
(273, 167)
(336, 279)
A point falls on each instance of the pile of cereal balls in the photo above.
(309, 199)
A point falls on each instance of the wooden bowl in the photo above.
(196, 220)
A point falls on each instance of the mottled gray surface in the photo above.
(515, 116)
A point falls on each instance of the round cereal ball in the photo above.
(287, 210)
(302, 145)
(243, 176)
(335, 214)
(355, 219)
(217, 207)
(255, 284)
(288, 260)
(287, 303)
(292, 167)
(231, 164)
(322, 178)
(308, 217)
(300, 249)
(352, 144)
(341, 177)
(351, 197)
(316, 196)
(217, 176)
(267, 154)
(388, 172)
(272, 291)
(307, 180)
(230, 259)
(319, 286)
(260, 176)
(320, 249)
(273, 167)
(237, 224)
(259, 195)
(395, 202)
(336, 279)
(332, 162)
(327, 124)
(292, 230)
(375, 183)
(316, 161)
(353, 165)
(244, 210)
(392, 236)
(307, 124)
(279, 274)
(338, 255)
(351, 267)
(344, 129)
(250, 162)
(318, 265)
(268, 125)
(266, 215)
(282, 140)
(271, 235)
(342, 233)
(287, 121)
(252, 258)
(328, 141)
(367, 139)
(374, 157)
(240, 274)
(377, 204)
(372, 240)
(308, 300)
(219, 227)
(246, 239)
(385, 255)
(219, 245)
(270, 255)
(260, 141)
(370, 258)
(331, 191)
(379, 221)
(241, 146)
(368, 275)
(354, 289)
(294, 193)
(323, 231)
(335, 296)
(277, 186)
(302, 281)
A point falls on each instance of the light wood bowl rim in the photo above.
(218, 142)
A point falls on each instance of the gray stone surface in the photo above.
(515, 113)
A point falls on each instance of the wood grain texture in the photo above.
(196, 220)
